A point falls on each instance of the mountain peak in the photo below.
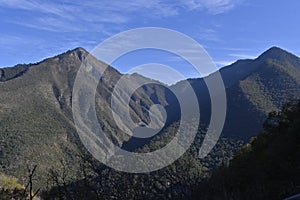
(80, 49)
(276, 50)
(275, 53)
(77, 53)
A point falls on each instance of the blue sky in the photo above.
(227, 29)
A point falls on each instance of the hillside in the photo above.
(273, 81)
(253, 88)
(36, 122)
(267, 168)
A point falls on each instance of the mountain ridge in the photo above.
(36, 122)
(80, 51)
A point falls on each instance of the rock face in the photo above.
(36, 122)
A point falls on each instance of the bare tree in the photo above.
(29, 185)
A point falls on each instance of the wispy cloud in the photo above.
(212, 6)
(62, 16)
(10, 42)
(208, 35)
(57, 25)
(222, 63)
(242, 56)
(229, 48)
(236, 56)
(155, 8)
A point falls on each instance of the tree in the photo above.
(29, 187)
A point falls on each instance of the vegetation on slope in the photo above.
(171, 182)
(36, 125)
(267, 168)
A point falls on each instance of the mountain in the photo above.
(36, 122)
(269, 81)
(253, 88)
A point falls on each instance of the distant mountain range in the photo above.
(36, 123)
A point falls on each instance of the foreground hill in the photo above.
(267, 168)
